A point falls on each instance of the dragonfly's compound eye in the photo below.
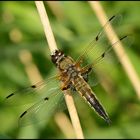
(57, 56)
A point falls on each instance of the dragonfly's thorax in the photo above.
(72, 71)
(62, 61)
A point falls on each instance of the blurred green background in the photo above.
(74, 24)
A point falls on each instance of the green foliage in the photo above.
(21, 28)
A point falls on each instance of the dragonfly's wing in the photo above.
(99, 38)
(104, 56)
(107, 50)
(42, 110)
(30, 94)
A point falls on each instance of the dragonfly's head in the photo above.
(57, 57)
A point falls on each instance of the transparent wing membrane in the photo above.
(107, 49)
(42, 110)
(100, 37)
(47, 96)
(51, 97)
(100, 49)
(104, 57)
(31, 93)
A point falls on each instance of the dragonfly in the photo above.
(71, 76)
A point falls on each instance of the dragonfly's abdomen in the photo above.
(86, 92)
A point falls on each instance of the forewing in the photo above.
(100, 38)
(105, 58)
(32, 93)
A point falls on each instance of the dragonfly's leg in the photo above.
(85, 72)
(65, 85)
(79, 62)
(69, 86)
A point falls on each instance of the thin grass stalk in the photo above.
(52, 45)
(119, 50)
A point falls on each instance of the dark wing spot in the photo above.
(111, 18)
(103, 55)
(46, 98)
(33, 86)
(23, 114)
(123, 37)
(97, 38)
(10, 95)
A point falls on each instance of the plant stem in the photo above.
(125, 61)
(52, 45)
